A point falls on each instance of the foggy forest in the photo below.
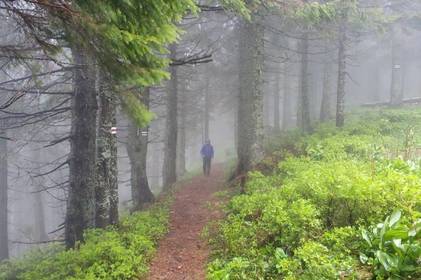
(210, 139)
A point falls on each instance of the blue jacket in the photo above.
(207, 151)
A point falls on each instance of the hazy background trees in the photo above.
(231, 79)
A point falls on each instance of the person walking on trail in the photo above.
(207, 153)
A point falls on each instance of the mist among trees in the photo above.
(107, 109)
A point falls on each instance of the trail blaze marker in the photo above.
(114, 130)
(143, 133)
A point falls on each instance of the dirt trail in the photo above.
(183, 254)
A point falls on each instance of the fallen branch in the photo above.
(37, 242)
(415, 100)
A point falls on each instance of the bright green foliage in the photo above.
(237, 6)
(14, 269)
(314, 261)
(314, 13)
(136, 109)
(394, 248)
(302, 219)
(115, 253)
(327, 16)
(130, 37)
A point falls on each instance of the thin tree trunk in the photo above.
(39, 215)
(235, 125)
(276, 107)
(82, 162)
(304, 106)
(181, 150)
(287, 94)
(156, 163)
(326, 106)
(171, 137)
(106, 192)
(250, 102)
(279, 76)
(4, 236)
(207, 106)
(377, 84)
(396, 93)
(340, 102)
(137, 148)
(268, 94)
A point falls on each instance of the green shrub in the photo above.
(114, 253)
(315, 261)
(13, 269)
(394, 248)
(300, 216)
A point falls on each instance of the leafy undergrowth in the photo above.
(336, 204)
(115, 253)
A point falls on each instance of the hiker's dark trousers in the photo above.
(207, 165)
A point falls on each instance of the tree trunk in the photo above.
(4, 236)
(82, 162)
(340, 102)
(268, 95)
(287, 95)
(106, 192)
(235, 113)
(396, 93)
(276, 107)
(170, 153)
(137, 148)
(377, 88)
(156, 164)
(207, 107)
(304, 107)
(181, 149)
(326, 106)
(250, 101)
(39, 215)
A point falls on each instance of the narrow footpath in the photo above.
(183, 254)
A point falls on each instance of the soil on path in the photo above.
(182, 254)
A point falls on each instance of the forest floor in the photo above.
(183, 253)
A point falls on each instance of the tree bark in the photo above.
(181, 149)
(377, 83)
(287, 95)
(276, 107)
(304, 107)
(340, 102)
(4, 236)
(156, 164)
(82, 162)
(39, 215)
(137, 148)
(326, 106)
(207, 106)
(396, 92)
(106, 192)
(250, 101)
(171, 137)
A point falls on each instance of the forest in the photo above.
(210, 139)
